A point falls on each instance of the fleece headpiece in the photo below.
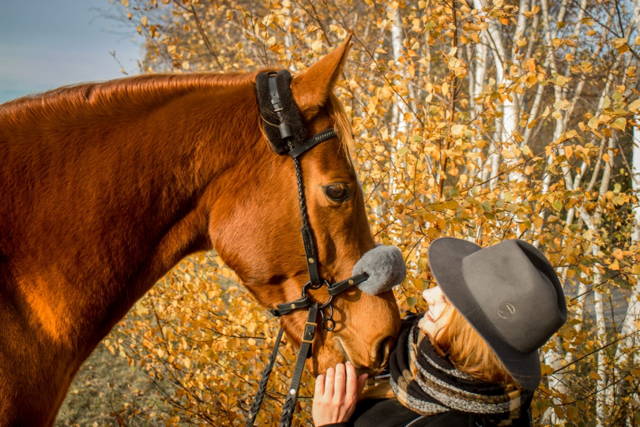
(290, 116)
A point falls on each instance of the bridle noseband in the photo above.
(285, 129)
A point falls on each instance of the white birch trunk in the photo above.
(630, 324)
(477, 80)
(505, 126)
(604, 396)
(397, 39)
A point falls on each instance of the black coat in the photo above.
(390, 413)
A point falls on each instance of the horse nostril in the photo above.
(383, 350)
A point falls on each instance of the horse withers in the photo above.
(107, 186)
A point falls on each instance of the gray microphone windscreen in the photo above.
(385, 267)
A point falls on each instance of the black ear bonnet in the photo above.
(288, 119)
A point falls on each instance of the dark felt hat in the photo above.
(508, 292)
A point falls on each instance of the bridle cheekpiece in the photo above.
(284, 127)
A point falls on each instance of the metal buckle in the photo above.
(309, 331)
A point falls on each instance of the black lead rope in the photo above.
(262, 387)
(295, 149)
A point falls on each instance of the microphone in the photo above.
(385, 267)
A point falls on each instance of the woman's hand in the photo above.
(336, 394)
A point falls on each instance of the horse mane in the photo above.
(137, 90)
(145, 89)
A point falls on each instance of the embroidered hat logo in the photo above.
(506, 310)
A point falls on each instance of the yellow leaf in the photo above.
(620, 123)
(562, 80)
(568, 151)
(618, 254)
(451, 204)
(621, 45)
(562, 104)
(316, 46)
(634, 106)
(530, 65)
(619, 42)
(586, 66)
(458, 130)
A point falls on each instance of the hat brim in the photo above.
(445, 259)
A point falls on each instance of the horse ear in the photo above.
(311, 88)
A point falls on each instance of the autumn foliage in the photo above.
(479, 120)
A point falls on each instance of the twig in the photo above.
(593, 352)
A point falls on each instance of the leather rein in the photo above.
(282, 108)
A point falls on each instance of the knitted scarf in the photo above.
(428, 383)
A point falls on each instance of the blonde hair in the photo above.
(468, 351)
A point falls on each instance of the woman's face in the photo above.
(438, 313)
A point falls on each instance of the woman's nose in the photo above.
(427, 294)
(430, 295)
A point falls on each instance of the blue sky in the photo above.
(45, 44)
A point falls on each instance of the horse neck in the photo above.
(117, 196)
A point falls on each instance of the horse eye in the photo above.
(337, 192)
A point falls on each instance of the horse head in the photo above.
(256, 227)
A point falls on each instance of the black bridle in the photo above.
(284, 127)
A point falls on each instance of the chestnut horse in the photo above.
(107, 186)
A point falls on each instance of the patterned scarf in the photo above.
(428, 383)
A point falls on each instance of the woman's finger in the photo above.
(352, 382)
(362, 380)
(328, 383)
(319, 389)
(339, 384)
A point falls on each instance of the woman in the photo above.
(472, 358)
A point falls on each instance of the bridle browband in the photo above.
(286, 132)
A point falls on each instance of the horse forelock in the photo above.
(342, 126)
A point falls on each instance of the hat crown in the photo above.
(515, 293)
